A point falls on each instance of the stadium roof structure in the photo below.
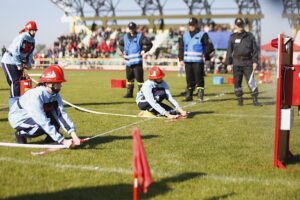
(165, 13)
(291, 10)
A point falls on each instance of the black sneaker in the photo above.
(21, 139)
(255, 102)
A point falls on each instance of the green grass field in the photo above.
(221, 152)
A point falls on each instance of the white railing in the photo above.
(169, 64)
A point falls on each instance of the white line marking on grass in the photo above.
(122, 127)
(241, 115)
(119, 170)
(62, 146)
(247, 180)
(67, 166)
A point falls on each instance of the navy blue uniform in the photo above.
(242, 52)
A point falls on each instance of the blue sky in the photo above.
(15, 13)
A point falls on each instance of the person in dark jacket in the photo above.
(242, 53)
(134, 45)
(194, 47)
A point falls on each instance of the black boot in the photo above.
(140, 86)
(255, 101)
(239, 94)
(240, 101)
(21, 139)
(48, 140)
(129, 93)
(189, 95)
(200, 95)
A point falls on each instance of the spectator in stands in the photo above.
(134, 45)
(19, 56)
(194, 47)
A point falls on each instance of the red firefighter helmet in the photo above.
(31, 25)
(156, 73)
(52, 74)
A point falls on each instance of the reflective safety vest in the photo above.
(132, 50)
(193, 49)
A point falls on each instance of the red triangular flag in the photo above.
(140, 164)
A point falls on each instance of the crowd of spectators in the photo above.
(102, 42)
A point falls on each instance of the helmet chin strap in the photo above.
(53, 89)
(32, 35)
(158, 82)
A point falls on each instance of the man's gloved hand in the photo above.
(169, 116)
(26, 76)
(20, 67)
(173, 116)
(67, 143)
(254, 65)
(76, 140)
(183, 113)
(182, 63)
(23, 66)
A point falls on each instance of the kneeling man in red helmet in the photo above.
(40, 111)
(153, 92)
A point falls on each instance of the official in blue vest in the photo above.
(17, 57)
(194, 47)
(134, 45)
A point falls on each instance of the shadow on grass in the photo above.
(99, 103)
(223, 99)
(3, 120)
(213, 94)
(4, 89)
(246, 99)
(182, 94)
(244, 92)
(4, 109)
(106, 139)
(117, 191)
(192, 114)
(224, 196)
(293, 160)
